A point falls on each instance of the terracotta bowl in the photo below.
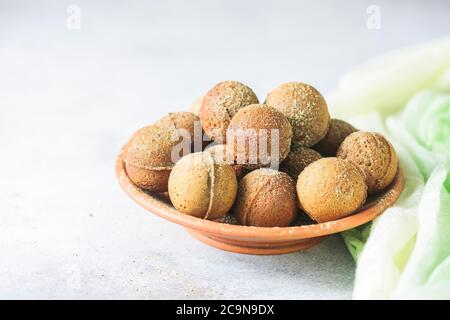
(256, 240)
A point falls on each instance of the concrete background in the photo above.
(69, 98)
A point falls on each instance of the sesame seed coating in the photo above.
(260, 120)
(266, 198)
(221, 103)
(224, 154)
(196, 105)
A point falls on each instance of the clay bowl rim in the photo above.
(276, 234)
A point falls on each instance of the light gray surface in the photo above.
(69, 100)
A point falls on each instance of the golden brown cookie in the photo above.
(297, 160)
(253, 132)
(374, 155)
(305, 109)
(148, 158)
(338, 131)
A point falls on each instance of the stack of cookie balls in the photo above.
(307, 162)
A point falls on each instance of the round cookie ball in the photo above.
(330, 189)
(202, 187)
(179, 120)
(148, 157)
(305, 109)
(338, 131)
(185, 120)
(225, 155)
(297, 160)
(221, 103)
(266, 198)
(252, 133)
(196, 106)
(374, 155)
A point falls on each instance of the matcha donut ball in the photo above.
(374, 155)
(221, 103)
(179, 120)
(338, 131)
(252, 133)
(305, 109)
(148, 157)
(297, 160)
(202, 187)
(266, 198)
(331, 189)
(187, 121)
(228, 219)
